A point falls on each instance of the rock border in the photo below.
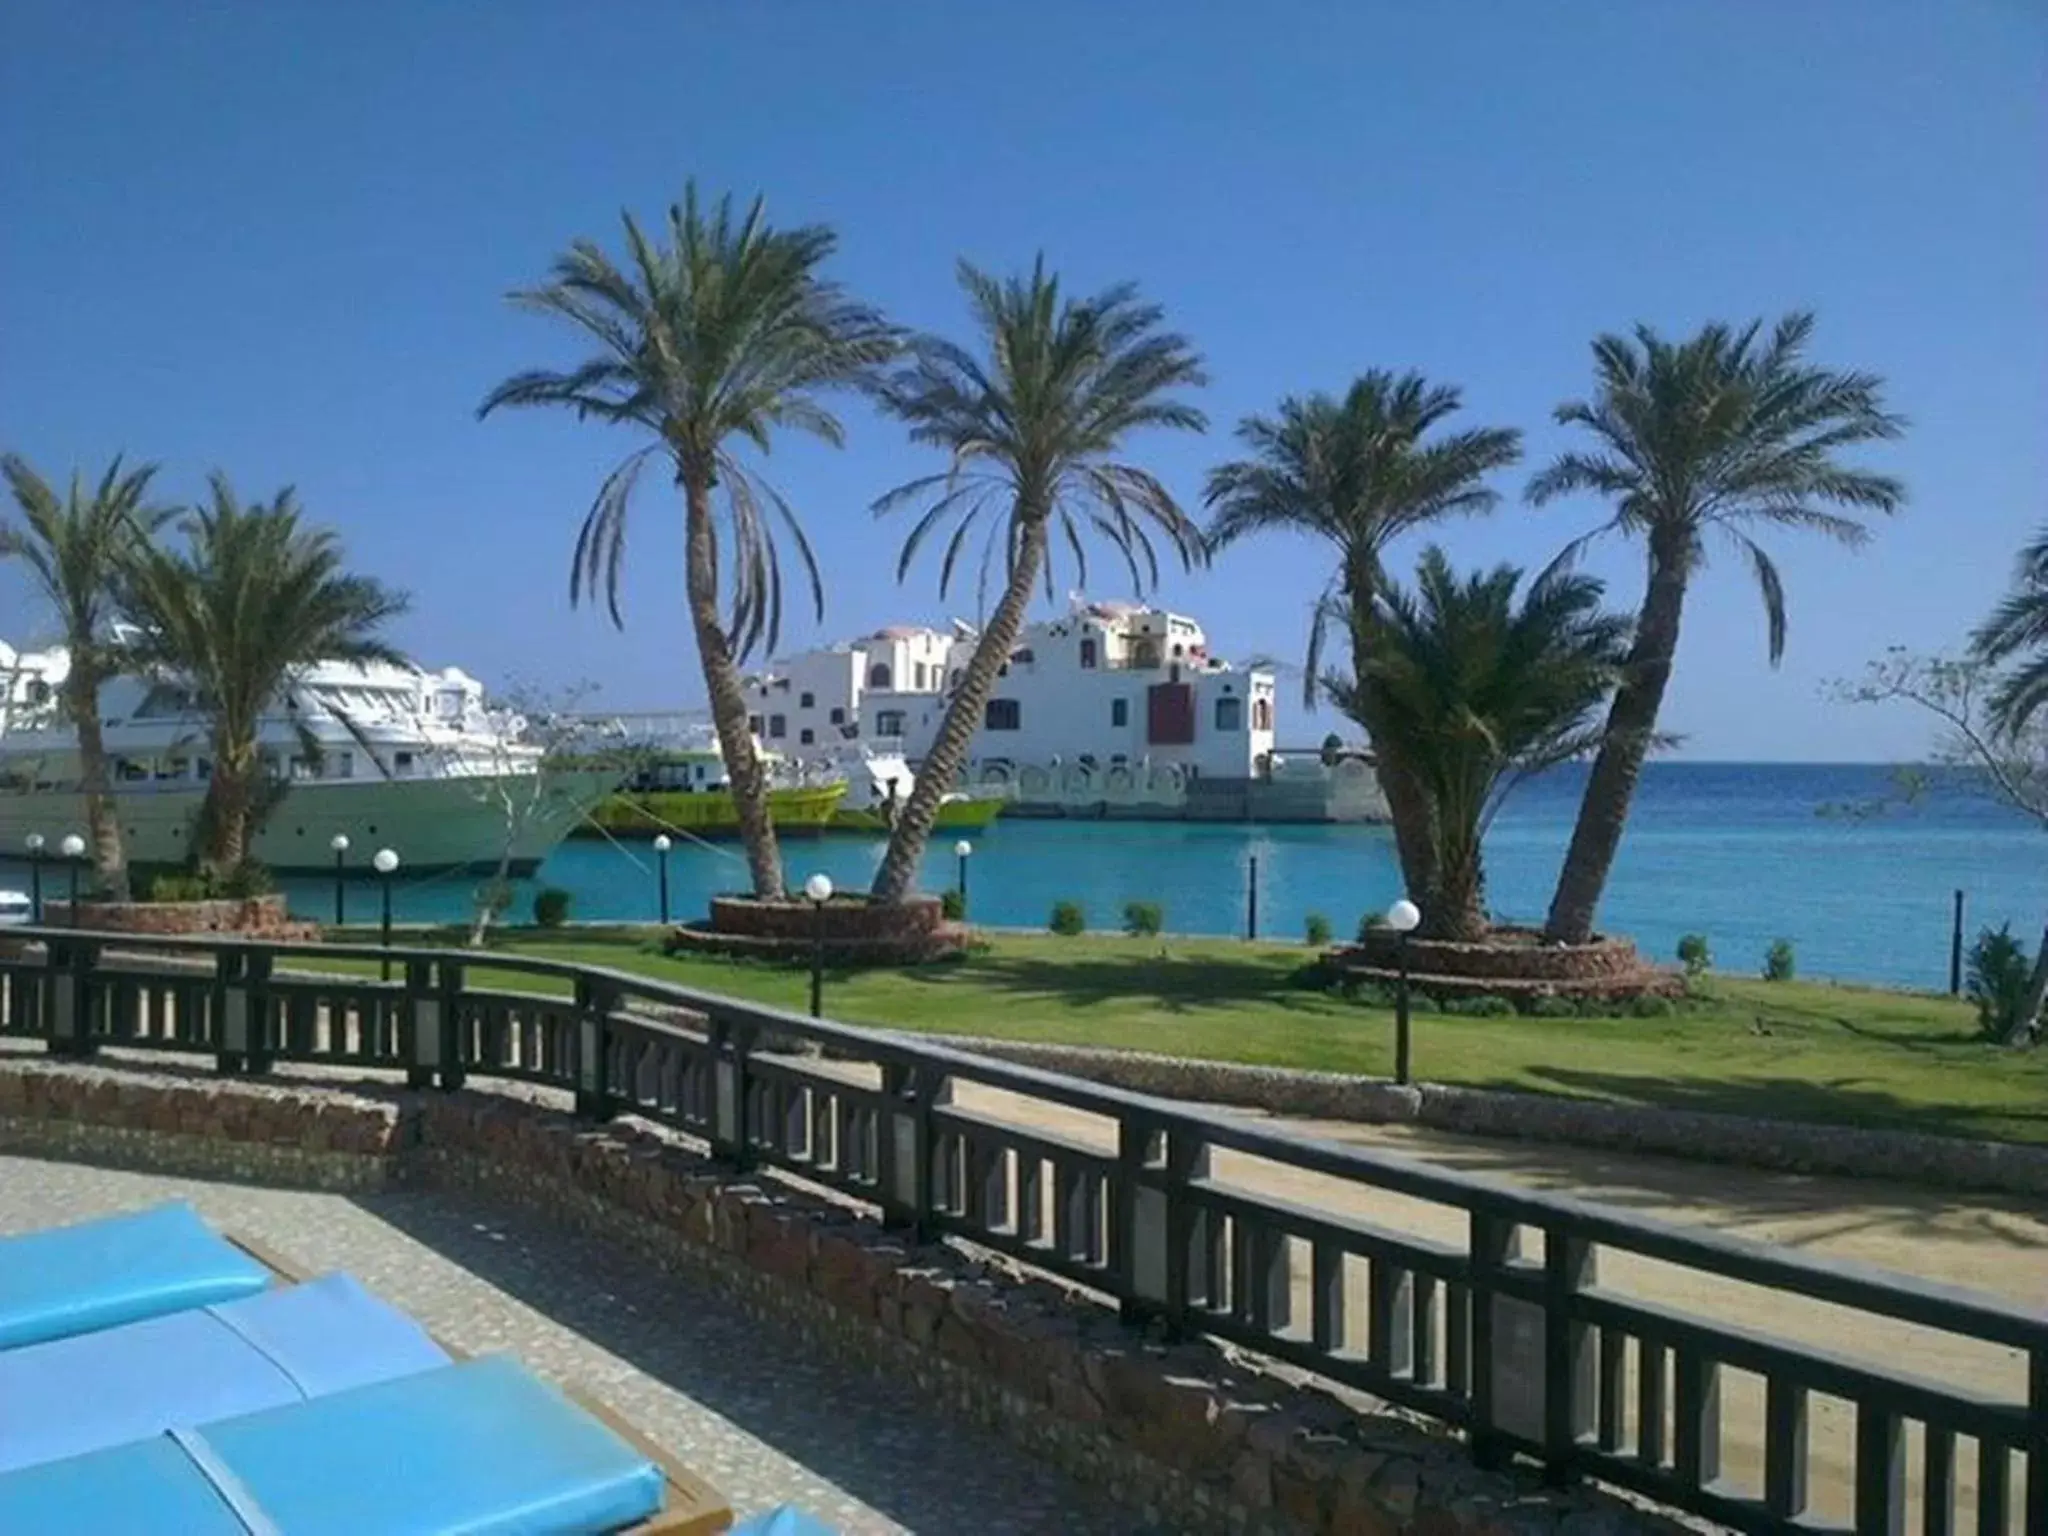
(1194, 1435)
(1781, 1146)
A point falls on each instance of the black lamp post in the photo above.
(1402, 917)
(339, 843)
(963, 851)
(819, 889)
(35, 878)
(662, 844)
(386, 865)
(73, 849)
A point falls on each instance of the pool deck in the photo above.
(758, 1416)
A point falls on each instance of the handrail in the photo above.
(1142, 1220)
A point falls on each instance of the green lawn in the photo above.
(1795, 1051)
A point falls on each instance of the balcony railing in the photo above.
(1525, 1350)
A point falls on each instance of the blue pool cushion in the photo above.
(480, 1448)
(69, 1396)
(785, 1521)
(99, 1274)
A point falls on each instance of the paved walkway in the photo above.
(761, 1418)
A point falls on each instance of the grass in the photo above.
(1784, 1050)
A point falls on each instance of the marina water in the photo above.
(1744, 853)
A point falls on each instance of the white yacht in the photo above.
(388, 756)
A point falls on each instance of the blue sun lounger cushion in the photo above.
(482, 1448)
(290, 1343)
(98, 1274)
(786, 1521)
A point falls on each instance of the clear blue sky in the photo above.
(275, 238)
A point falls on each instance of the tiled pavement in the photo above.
(758, 1415)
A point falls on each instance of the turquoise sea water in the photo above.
(1740, 852)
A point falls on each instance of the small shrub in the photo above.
(1067, 919)
(188, 887)
(1143, 919)
(244, 881)
(1651, 1006)
(953, 905)
(551, 906)
(1998, 977)
(1373, 994)
(1594, 1006)
(1551, 1006)
(1694, 955)
(1315, 928)
(1487, 1005)
(1779, 963)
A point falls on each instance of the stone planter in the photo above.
(264, 917)
(1513, 963)
(856, 931)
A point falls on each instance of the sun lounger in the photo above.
(99, 1274)
(786, 1521)
(287, 1344)
(480, 1447)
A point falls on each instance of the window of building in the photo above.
(1088, 653)
(889, 722)
(1262, 714)
(837, 717)
(344, 765)
(878, 675)
(754, 724)
(1229, 714)
(806, 701)
(1119, 713)
(804, 737)
(1003, 715)
(919, 674)
(401, 764)
(778, 727)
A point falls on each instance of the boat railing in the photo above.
(1519, 1318)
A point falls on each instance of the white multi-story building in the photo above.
(1113, 708)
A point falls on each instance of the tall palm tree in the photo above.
(1358, 474)
(2018, 631)
(719, 334)
(1032, 428)
(1476, 691)
(1729, 431)
(258, 595)
(75, 547)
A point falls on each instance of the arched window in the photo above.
(878, 675)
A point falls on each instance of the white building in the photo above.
(1113, 708)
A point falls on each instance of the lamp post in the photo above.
(35, 878)
(819, 889)
(386, 865)
(963, 850)
(662, 844)
(73, 849)
(1402, 917)
(339, 843)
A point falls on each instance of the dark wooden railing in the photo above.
(1508, 1334)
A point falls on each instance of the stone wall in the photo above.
(1948, 1162)
(1190, 1435)
(855, 930)
(255, 916)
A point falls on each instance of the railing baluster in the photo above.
(1880, 1472)
(1937, 1482)
(1458, 1342)
(1423, 1367)
(1785, 1448)
(1569, 1386)
(1697, 1415)
(1326, 1297)
(1994, 1474)
(1389, 1304)
(1651, 1357)
(1613, 1386)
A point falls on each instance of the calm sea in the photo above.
(1744, 853)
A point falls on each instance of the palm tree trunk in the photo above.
(109, 859)
(913, 828)
(1458, 912)
(744, 771)
(1408, 806)
(1631, 723)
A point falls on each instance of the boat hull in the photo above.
(433, 825)
(711, 812)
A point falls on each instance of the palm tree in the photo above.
(75, 548)
(1032, 429)
(257, 596)
(1475, 692)
(722, 334)
(2018, 629)
(1729, 431)
(1357, 474)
